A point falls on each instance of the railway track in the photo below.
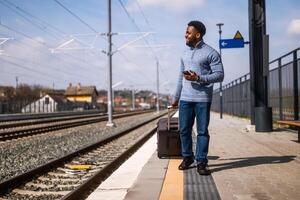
(22, 129)
(55, 180)
(4, 118)
(18, 123)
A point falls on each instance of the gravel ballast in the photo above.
(21, 155)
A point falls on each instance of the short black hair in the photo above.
(199, 26)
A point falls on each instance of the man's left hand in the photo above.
(192, 76)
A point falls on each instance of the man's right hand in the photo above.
(175, 104)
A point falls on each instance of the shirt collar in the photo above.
(198, 45)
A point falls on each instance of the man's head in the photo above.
(194, 32)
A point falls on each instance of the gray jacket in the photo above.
(206, 62)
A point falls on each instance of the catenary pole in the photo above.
(110, 122)
(157, 86)
(221, 91)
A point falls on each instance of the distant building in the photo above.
(102, 99)
(7, 91)
(144, 105)
(6, 94)
(79, 93)
(49, 103)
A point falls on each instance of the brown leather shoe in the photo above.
(186, 162)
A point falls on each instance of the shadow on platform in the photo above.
(250, 161)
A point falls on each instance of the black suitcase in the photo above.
(168, 138)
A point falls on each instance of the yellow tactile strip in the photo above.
(173, 184)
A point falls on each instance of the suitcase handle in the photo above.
(169, 107)
(169, 117)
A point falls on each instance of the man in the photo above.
(201, 66)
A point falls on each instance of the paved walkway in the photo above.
(245, 165)
(253, 166)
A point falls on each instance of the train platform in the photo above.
(244, 164)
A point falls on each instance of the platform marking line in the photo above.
(173, 184)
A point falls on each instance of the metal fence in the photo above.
(284, 90)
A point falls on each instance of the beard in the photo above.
(192, 42)
(189, 44)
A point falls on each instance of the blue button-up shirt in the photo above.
(206, 62)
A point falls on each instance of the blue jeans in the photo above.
(187, 113)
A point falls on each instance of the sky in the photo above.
(56, 42)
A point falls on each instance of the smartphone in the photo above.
(186, 72)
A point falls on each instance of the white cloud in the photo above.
(178, 6)
(294, 27)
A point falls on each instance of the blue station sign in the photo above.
(236, 42)
(231, 43)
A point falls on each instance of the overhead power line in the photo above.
(24, 17)
(42, 43)
(138, 28)
(48, 66)
(33, 39)
(147, 21)
(91, 27)
(139, 71)
(39, 26)
(42, 24)
(36, 18)
(76, 16)
(143, 14)
(29, 69)
(23, 34)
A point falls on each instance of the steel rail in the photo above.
(46, 120)
(55, 118)
(86, 188)
(16, 181)
(13, 134)
(83, 190)
(18, 117)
